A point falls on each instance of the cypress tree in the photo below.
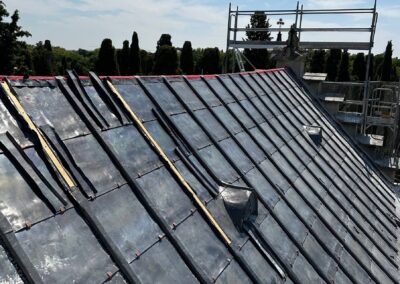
(165, 39)
(42, 59)
(344, 75)
(387, 63)
(47, 45)
(258, 57)
(317, 64)
(106, 62)
(166, 62)
(231, 61)
(123, 56)
(371, 67)
(64, 65)
(359, 67)
(332, 64)
(166, 57)
(146, 62)
(187, 58)
(210, 61)
(135, 54)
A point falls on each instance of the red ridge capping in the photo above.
(263, 70)
(17, 77)
(112, 77)
(199, 76)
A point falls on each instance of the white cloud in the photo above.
(85, 23)
(339, 3)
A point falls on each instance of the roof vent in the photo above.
(241, 205)
(315, 133)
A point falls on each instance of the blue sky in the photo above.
(84, 23)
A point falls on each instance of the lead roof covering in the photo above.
(324, 213)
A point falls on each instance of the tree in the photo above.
(317, 64)
(64, 65)
(344, 75)
(135, 54)
(10, 46)
(79, 60)
(371, 72)
(165, 39)
(186, 62)
(43, 59)
(106, 63)
(387, 63)
(47, 45)
(395, 76)
(123, 57)
(229, 59)
(258, 57)
(166, 62)
(166, 57)
(332, 64)
(359, 67)
(146, 62)
(23, 64)
(210, 61)
(197, 55)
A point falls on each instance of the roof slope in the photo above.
(230, 179)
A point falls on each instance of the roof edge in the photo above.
(196, 76)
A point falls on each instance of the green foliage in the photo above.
(259, 20)
(197, 55)
(10, 46)
(82, 61)
(43, 59)
(378, 62)
(135, 55)
(186, 60)
(359, 67)
(210, 61)
(332, 64)
(106, 63)
(317, 64)
(166, 57)
(344, 74)
(387, 63)
(395, 74)
(396, 67)
(371, 72)
(123, 57)
(147, 62)
(231, 62)
(47, 45)
(258, 57)
(23, 64)
(166, 61)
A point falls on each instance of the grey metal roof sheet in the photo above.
(324, 212)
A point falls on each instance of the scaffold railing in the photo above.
(236, 26)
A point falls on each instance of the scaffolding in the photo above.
(378, 126)
(300, 13)
(237, 26)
